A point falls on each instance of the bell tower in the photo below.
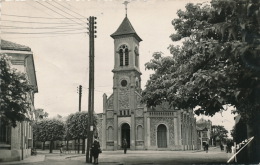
(126, 56)
(126, 83)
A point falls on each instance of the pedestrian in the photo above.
(96, 150)
(221, 147)
(125, 145)
(61, 147)
(207, 147)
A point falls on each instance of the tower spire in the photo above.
(125, 3)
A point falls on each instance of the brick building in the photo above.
(16, 143)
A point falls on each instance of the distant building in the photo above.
(204, 131)
(125, 117)
(16, 143)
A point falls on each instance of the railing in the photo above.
(160, 113)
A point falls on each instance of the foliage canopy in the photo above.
(218, 63)
(15, 89)
(49, 130)
(77, 124)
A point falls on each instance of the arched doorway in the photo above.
(125, 133)
(162, 136)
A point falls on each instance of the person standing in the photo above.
(96, 150)
(61, 148)
(125, 145)
(207, 147)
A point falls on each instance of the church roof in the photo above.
(7, 45)
(125, 28)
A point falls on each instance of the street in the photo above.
(214, 156)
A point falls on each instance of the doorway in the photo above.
(162, 136)
(125, 134)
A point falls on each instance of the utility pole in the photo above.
(92, 36)
(80, 94)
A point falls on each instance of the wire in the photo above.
(58, 35)
(41, 32)
(37, 22)
(67, 30)
(57, 12)
(10, 15)
(64, 11)
(45, 32)
(69, 9)
(47, 27)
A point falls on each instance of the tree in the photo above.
(14, 90)
(218, 132)
(76, 127)
(39, 114)
(49, 130)
(217, 65)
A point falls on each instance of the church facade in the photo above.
(125, 117)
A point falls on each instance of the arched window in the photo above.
(136, 56)
(110, 133)
(139, 132)
(123, 55)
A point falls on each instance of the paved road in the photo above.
(214, 156)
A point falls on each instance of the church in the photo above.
(125, 117)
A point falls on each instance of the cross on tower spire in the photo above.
(125, 3)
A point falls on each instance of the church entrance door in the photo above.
(162, 136)
(125, 134)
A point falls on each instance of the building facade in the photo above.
(204, 132)
(16, 143)
(125, 117)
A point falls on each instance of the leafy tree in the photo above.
(14, 90)
(217, 65)
(39, 114)
(76, 127)
(218, 132)
(49, 130)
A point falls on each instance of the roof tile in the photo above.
(7, 45)
(125, 28)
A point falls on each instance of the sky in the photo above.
(61, 60)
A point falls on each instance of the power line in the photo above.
(69, 9)
(38, 22)
(42, 32)
(57, 12)
(46, 27)
(11, 15)
(64, 11)
(73, 29)
(58, 35)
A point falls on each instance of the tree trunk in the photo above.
(253, 129)
(83, 146)
(51, 146)
(67, 145)
(43, 147)
(78, 144)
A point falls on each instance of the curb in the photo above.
(30, 159)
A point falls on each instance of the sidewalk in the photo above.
(30, 159)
